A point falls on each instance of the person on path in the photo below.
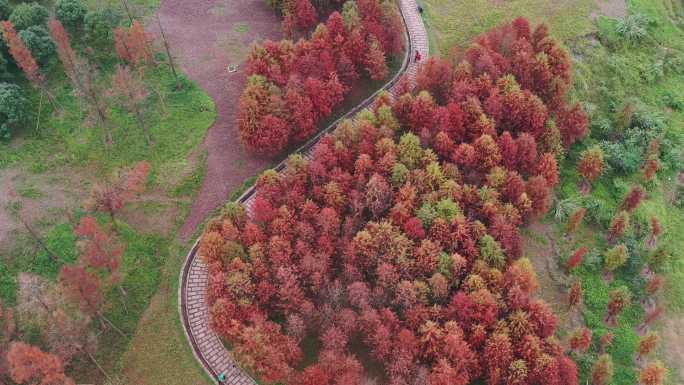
(221, 378)
(418, 57)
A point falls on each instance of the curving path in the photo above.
(206, 345)
(206, 36)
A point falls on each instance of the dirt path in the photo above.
(205, 36)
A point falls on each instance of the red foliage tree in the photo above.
(30, 365)
(22, 55)
(132, 93)
(618, 226)
(618, 300)
(602, 371)
(633, 199)
(580, 340)
(590, 165)
(575, 220)
(656, 230)
(653, 373)
(576, 258)
(647, 345)
(575, 294)
(110, 198)
(133, 44)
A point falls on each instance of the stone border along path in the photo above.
(206, 345)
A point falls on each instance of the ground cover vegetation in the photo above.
(87, 94)
(395, 253)
(623, 180)
(293, 87)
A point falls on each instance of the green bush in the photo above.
(5, 9)
(633, 27)
(14, 108)
(28, 14)
(70, 13)
(38, 40)
(99, 25)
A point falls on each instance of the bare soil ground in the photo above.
(37, 198)
(616, 9)
(540, 247)
(205, 37)
(672, 333)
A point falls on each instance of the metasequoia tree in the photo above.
(653, 373)
(618, 300)
(618, 226)
(647, 345)
(633, 198)
(575, 294)
(580, 340)
(575, 220)
(614, 258)
(602, 371)
(24, 59)
(83, 77)
(656, 231)
(605, 341)
(133, 44)
(130, 90)
(30, 365)
(576, 258)
(111, 197)
(590, 166)
(88, 282)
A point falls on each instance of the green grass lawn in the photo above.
(454, 23)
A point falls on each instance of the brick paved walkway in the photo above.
(206, 345)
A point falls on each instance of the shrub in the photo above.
(37, 39)
(70, 13)
(26, 15)
(99, 27)
(14, 109)
(5, 9)
(633, 27)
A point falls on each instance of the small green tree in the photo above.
(70, 13)
(98, 27)
(38, 41)
(615, 257)
(14, 109)
(491, 251)
(5, 10)
(26, 15)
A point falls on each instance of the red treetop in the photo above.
(30, 365)
(21, 54)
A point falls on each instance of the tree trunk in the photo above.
(128, 12)
(54, 257)
(145, 128)
(168, 53)
(121, 333)
(94, 361)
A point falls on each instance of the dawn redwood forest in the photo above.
(341, 192)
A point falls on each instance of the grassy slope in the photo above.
(456, 22)
(605, 77)
(178, 121)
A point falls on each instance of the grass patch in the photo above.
(455, 23)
